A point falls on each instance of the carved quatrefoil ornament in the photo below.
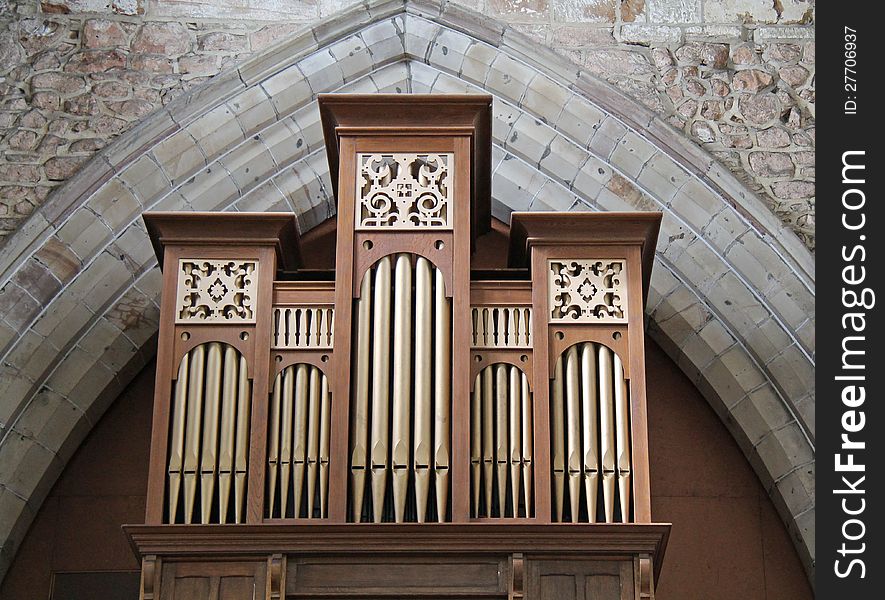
(587, 290)
(216, 291)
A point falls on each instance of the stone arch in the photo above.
(732, 293)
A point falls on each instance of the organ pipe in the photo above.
(442, 309)
(423, 383)
(380, 386)
(402, 376)
(359, 426)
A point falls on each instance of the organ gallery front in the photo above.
(407, 424)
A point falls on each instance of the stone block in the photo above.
(717, 337)
(592, 178)
(253, 109)
(216, 131)
(284, 141)
(760, 413)
(784, 449)
(210, 189)
(643, 34)
(529, 139)
(384, 41)
(606, 137)
(321, 71)
(553, 196)
(448, 49)
(115, 205)
(135, 245)
(564, 160)
(585, 11)
(179, 157)
(84, 234)
(353, 57)
(674, 11)
(250, 164)
(146, 180)
(418, 36)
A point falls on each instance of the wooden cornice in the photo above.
(275, 229)
(417, 114)
(528, 229)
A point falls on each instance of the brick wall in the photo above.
(737, 76)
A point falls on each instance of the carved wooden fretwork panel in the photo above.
(404, 191)
(216, 291)
(296, 327)
(587, 290)
(501, 327)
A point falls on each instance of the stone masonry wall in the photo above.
(737, 76)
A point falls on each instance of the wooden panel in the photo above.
(580, 580)
(213, 581)
(367, 576)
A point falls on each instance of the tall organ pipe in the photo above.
(423, 382)
(380, 386)
(402, 376)
(606, 428)
(359, 426)
(622, 438)
(442, 311)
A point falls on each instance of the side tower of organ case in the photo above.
(403, 424)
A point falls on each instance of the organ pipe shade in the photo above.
(209, 437)
(501, 443)
(299, 441)
(590, 436)
(400, 402)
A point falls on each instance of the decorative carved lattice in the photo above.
(404, 191)
(588, 290)
(216, 291)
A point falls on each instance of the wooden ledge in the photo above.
(609, 540)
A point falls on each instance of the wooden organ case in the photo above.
(409, 427)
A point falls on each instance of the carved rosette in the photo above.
(587, 290)
(216, 291)
(404, 191)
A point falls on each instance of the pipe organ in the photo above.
(406, 417)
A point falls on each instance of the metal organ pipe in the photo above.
(590, 418)
(402, 376)
(401, 394)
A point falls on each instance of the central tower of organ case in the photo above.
(408, 426)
